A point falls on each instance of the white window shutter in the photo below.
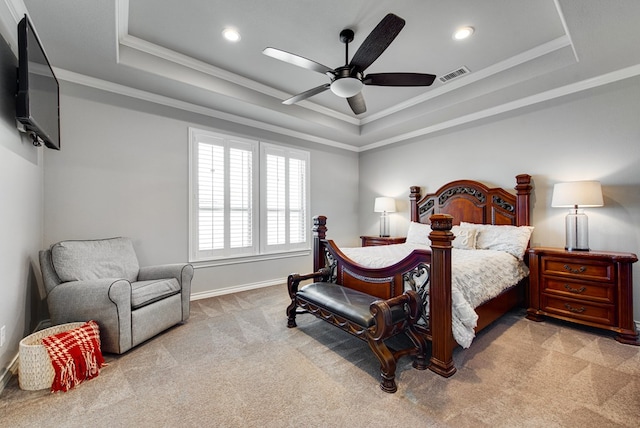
(285, 195)
(247, 198)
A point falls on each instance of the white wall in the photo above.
(20, 216)
(592, 135)
(123, 171)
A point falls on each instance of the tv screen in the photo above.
(37, 103)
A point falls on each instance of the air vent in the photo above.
(454, 74)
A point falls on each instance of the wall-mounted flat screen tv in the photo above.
(38, 97)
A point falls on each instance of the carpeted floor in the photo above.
(235, 364)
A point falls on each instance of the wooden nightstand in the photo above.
(370, 241)
(592, 288)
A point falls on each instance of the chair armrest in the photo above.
(107, 301)
(183, 272)
(88, 295)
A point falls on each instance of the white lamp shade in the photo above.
(577, 193)
(384, 204)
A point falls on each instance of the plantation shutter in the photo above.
(285, 197)
(248, 198)
(298, 200)
(225, 197)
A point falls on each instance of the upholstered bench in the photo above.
(366, 317)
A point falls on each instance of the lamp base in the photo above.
(384, 225)
(577, 231)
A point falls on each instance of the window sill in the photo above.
(200, 264)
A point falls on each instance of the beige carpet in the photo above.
(235, 364)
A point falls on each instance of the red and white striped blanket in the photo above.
(75, 355)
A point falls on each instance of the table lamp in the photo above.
(577, 195)
(384, 206)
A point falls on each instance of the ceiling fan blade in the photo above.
(377, 41)
(399, 79)
(306, 94)
(357, 103)
(297, 60)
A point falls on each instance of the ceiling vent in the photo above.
(454, 74)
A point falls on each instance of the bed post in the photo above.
(319, 234)
(442, 342)
(523, 192)
(414, 197)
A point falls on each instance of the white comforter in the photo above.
(476, 276)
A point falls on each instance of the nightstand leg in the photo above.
(533, 315)
(628, 339)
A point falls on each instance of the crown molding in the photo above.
(475, 76)
(103, 85)
(605, 79)
(562, 91)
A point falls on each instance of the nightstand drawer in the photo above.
(592, 269)
(598, 292)
(579, 309)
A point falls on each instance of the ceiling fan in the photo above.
(347, 81)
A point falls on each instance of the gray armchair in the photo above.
(101, 280)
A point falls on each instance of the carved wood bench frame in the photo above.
(382, 329)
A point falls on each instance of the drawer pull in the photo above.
(575, 290)
(581, 269)
(575, 310)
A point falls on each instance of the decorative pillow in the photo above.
(75, 355)
(418, 233)
(95, 259)
(465, 237)
(510, 239)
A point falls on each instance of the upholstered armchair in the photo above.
(101, 280)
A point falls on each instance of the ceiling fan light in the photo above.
(346, 87)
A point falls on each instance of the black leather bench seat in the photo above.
(345, 302)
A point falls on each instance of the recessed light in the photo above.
(463, 33)
(231, 34)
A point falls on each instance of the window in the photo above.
(248, 198)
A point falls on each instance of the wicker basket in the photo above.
(34, 367)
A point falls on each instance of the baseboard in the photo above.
(235, 289)
(8, 373)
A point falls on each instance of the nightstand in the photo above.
(591, 288)
(370, 241)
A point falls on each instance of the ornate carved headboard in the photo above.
(471, 201)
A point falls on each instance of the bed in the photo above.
(455, 207)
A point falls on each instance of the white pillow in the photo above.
(418, 233)
(510, 239)
(465, 237)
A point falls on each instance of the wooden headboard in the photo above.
(471, 201)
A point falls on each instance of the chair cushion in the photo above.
(95, 259)
(147, 292)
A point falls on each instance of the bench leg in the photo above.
(291, 314)
(387, 364)
(292, 287)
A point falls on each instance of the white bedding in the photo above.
(476, 276)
